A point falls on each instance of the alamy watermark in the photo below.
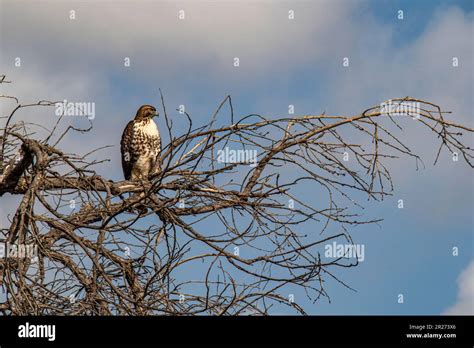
(66, 108)
(401, 108)
(336, 250)
(19, 251)
(228, 155)
(28, 330)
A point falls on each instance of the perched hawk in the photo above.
(141, 145)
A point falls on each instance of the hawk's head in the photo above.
(146, 112)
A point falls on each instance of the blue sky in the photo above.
(282, 63)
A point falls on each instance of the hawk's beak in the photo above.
(155, 114)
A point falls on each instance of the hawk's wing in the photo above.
(155, 143)
(126, 149)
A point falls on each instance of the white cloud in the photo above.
(213, 33)
(465, 301)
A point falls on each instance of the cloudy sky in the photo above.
(281, 61)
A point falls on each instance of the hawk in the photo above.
(141, 145)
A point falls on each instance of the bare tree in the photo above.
(218, 236)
